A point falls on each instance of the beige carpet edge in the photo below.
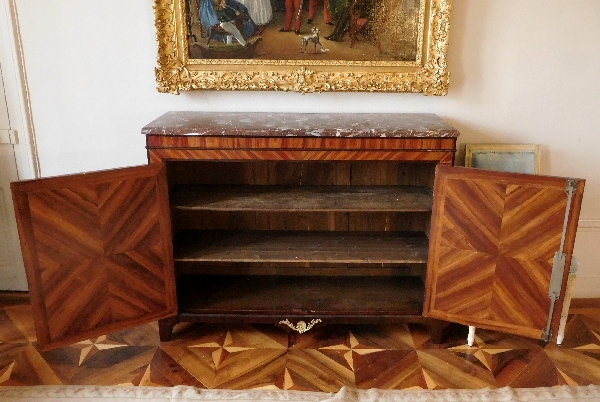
(74, 393)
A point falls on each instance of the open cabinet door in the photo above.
(500, 249)
(98, 253)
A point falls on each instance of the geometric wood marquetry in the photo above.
(98, 251)
(492, 246)
(324, 359)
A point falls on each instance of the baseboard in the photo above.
(589, 302)
(13, 298)
(589, 224)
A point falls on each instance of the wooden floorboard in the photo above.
(325, 358)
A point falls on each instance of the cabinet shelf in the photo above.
(303, 198)
(284, 296)
(301, 246)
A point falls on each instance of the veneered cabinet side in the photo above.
(97, 249)
(493, 241)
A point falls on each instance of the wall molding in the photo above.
(590, 225)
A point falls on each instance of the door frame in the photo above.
(17, 92)
(20, 119)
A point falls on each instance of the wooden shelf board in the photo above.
(281, 295)
(304, 198)
(299, 269)
(302, 246)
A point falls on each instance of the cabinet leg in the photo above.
(165, 327)
(471, 336)
(436, 330)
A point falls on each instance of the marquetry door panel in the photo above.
(98, 251)
(493, 240)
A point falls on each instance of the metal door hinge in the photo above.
(559, 263)
(8, 137)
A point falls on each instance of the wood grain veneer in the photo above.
(494, 237)
(97, 250)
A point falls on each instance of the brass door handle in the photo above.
(301, 326)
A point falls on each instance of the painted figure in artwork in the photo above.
(351, 17)
(312, 9)
(341, 13)
(230, 15)
(260, 11)
(293, 14)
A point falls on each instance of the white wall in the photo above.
(521, 72)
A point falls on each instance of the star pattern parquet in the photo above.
(323, 359)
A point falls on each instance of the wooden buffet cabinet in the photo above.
(282, 217)
(289, 219)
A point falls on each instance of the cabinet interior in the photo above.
(300, 236)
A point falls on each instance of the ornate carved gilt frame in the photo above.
(177, 72)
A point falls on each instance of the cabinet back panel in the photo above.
(330, 221)
(207, 172)
(395, 173)
(301, 173)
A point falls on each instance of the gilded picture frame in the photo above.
(515, 158)
(381, 55)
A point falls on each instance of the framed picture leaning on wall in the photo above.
(303, 45)
(515, 158)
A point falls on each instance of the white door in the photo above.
(11, 264)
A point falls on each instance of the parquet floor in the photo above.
(325, 359)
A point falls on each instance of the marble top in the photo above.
(262, 124)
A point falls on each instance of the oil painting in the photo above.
(303, 45)
(350, 30)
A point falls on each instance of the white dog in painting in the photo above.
(314, 38)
